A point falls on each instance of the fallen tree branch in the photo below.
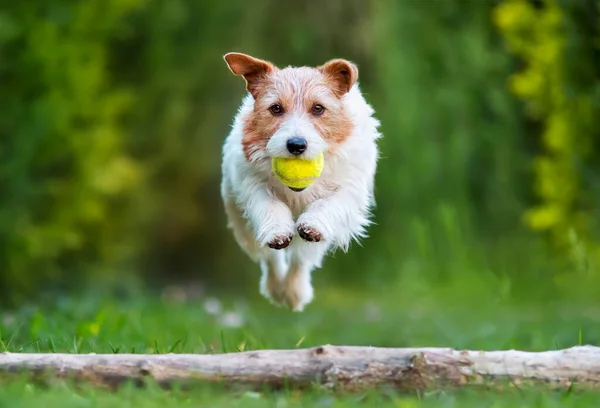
(349, 368)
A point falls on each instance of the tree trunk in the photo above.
(343, 367)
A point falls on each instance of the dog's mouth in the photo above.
(297, 190)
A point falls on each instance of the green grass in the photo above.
(18, 395)
(398, 315)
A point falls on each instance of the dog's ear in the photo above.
(342, 75)
(253, 70)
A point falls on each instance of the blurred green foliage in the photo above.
(114, 112)
(559, 42)
(65, 175)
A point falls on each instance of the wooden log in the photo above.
(343, 367)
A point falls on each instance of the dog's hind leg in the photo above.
(273, 267)
(297, 286)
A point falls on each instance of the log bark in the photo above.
(343, 367)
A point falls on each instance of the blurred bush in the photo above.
(115, 112)
(65, 176)
(559, 44)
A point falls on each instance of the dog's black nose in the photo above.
(296, 145)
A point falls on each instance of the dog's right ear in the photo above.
(253, 70)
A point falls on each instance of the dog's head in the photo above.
(298, 111)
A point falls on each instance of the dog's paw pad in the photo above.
(309, 233)
(280, 242)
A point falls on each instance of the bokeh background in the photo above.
(113, 113)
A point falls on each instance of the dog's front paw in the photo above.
(280, 241)
(309, 233)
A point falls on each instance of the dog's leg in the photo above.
(297, 286)
(264, 221)
(337, 219)
(270, 219)
(298, 290)
(273, 267)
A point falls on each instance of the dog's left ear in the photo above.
(341, 73)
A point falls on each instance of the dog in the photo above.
(298, 112)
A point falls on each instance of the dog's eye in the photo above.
(318, 110)
(276, 109)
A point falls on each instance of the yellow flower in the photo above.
(512, 14)
(558, 136)
(94, 328)
(543, 217)
(526, 84)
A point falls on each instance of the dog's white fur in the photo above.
(338, 205)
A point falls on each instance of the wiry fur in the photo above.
(336, 208)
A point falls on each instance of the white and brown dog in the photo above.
(298, 111)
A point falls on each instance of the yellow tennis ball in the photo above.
(297, 173)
